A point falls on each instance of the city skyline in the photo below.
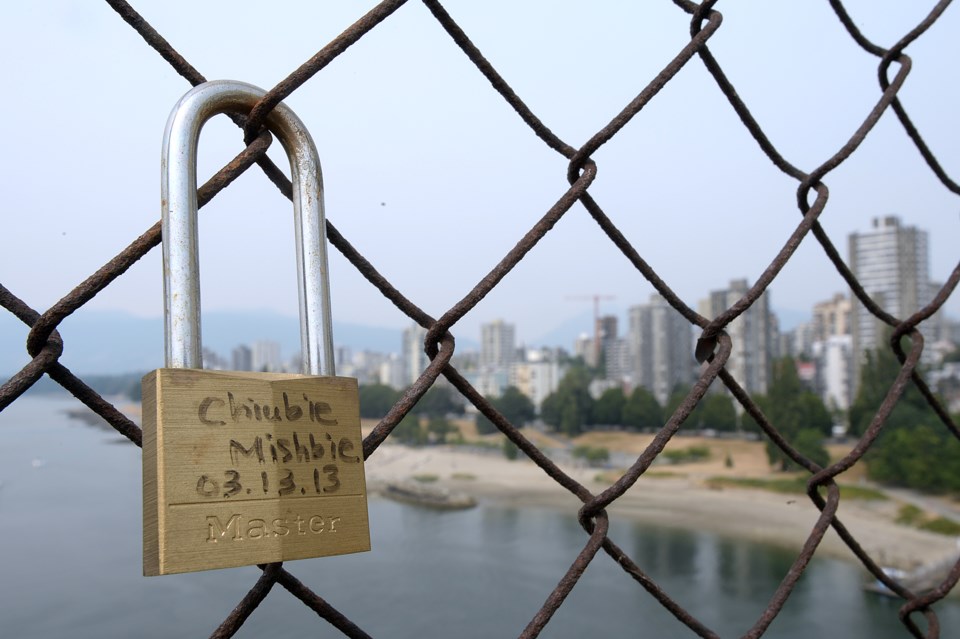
(12, 354)
(795, 318)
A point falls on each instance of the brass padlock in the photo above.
(246, 468)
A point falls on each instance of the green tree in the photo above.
(376, 400)
(512, 404)
(923, 456)
(642, 410)
(569, 408)
(439, 401)
(550, 409)
(515, 406)
(409, 431)
(677, 395)
(877, 375)
(510, 450)
(811, 413)
(793, 409)
(809, 443)
(484, 425)
(717, 412)
(609, 408)
(571, 421)
(595, 456)
(438, 427)
(913, 448)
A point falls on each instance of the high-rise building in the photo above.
(607, 328)
(831, 348)
(613, 349)
(391, 372)
(266, 356)
(832, 317)
(834, 360)
(498, 352)
(752, 333)
(342, 357)
(583, 347)
(213, 361)
(242, 358)
(891, 263)
(938, 327)
(366, 366)
(616, 360)
(537, 376)
(412, 355)
(660, 346)
(498, 346)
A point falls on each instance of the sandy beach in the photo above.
(673, 495)
(682, 499)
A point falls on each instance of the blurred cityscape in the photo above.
(654, 349)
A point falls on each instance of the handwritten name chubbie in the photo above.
(214, 410)
(250, 468)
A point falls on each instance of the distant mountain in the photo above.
(113, 342)
(94, 343)
(566, 333)
(106, 342)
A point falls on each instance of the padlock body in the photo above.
(250, 468)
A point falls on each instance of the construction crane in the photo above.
(596, 297)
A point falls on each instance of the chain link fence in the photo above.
(45, 345)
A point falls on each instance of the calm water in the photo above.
(70, 518)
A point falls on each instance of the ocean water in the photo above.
(70, 525)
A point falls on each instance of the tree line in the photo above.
(913, 449)
(571, 410)
(427, 422)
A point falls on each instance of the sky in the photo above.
(433, 177)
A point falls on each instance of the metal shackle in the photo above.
(181, 270)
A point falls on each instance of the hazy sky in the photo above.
(431, 175)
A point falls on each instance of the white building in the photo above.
(391, 372)
(265, 356)
(834, 358)
(413, 358)
(537, 377)
(891, 263)
(832, 317)
(752, 334)
(213, 361)
(831, 348)
(583, 347)
(491, 382)
(242, 358)
(498, 345)
(660, 347)
(616, 358)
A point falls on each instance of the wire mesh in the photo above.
(45, 345)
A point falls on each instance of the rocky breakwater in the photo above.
(428, 495)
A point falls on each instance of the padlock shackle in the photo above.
(181, 270)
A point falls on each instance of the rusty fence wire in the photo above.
(45, 345)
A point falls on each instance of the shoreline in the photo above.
(673, 501)
(680, 498)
